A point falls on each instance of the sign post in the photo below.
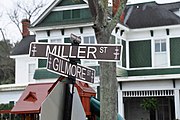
(57, 62)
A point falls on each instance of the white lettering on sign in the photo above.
(81, 51)
(70, 53)
(62, 53)
(103, 49)
(64, 67)
(95, 52)
(91, 50)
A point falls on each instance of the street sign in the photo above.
(65, 68)
(101, 52)
(75, 39)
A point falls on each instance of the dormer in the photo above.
(177, 11)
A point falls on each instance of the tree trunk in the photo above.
(108, 82)
(108, 91)
(103, 29)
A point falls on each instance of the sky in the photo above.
(10, 31)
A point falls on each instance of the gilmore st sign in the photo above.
(65, 68)
(101, 52)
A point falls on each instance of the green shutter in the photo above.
(42, 63)
(175, 51)
(85, 13)
(124, 53)
(44, 40)
(140, 53)
(67, 40)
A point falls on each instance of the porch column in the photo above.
(120, 102)
(177, 104)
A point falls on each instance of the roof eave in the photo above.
(61, 27)
(46, 11)
(155, 28)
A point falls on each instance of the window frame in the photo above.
(162, 44)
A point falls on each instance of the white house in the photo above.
(150, 66)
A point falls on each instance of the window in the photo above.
(31, 70)
(160, 45)
(71, 14)
(56, 41)
(67, 40)
(160, 53)
(45, 40)
(89, 40)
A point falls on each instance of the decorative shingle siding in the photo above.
(140, 54)
(175, 51)
(67, 17)
(42, 63)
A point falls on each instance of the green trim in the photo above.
(44, 74)
(66, 17)
(121, 72)
(145, 72)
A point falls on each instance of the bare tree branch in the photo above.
(117, 15)
(14, 17)
(30, 10)
(25, 10)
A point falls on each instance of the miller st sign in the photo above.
(65, 68)
(101, 52)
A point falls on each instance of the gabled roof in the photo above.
(32, 98)
(23, 47)
(46, 12)
(150, 14)
(171, 6)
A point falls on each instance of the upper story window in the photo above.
(67, 40)
(56, 41)
(71, 14)
(43, 40)
(160, 45)
(160, 53)
(177, 12)
(89, 40)
(31, 70)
